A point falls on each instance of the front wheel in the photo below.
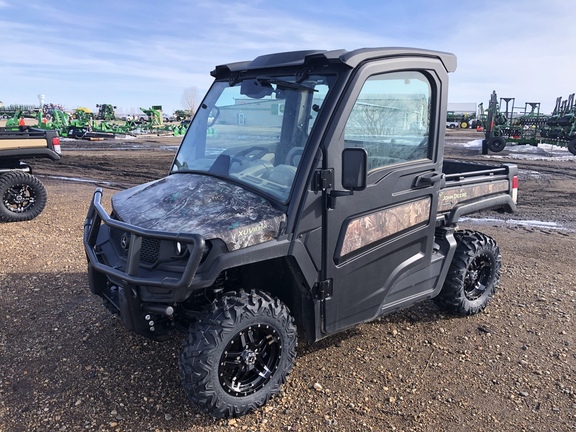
(473, 274)
(23, 197)
(238, 355)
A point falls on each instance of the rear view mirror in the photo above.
(255, 88)
(354, 168)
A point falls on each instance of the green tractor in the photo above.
(105, 112)
(180, 115)
(462, 120)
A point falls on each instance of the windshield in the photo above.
(253, 132)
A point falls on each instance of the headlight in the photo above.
(181, 249)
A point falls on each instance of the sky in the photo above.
(138, 54)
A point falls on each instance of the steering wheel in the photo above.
(262, 151)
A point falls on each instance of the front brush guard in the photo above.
(129, 277)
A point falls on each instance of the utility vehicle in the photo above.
(22, 195)
(302, 197)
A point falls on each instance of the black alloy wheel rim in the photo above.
(477, 277)
(250, 360)
(19, 198)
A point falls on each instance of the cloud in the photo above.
(519, 50)
(133, 52)
(127, 49)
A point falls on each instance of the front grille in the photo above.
(150, 250)
(150, 246)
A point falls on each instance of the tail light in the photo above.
(515, 188)
(56, 145)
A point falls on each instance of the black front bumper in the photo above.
(133, 272)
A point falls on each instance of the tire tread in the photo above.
(200, 356)
(452, 297)
(12, 178)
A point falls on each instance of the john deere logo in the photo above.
(125, 241)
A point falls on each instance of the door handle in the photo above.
(428, 179)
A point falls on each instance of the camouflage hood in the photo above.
(204, 205)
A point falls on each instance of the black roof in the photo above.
(349, 58)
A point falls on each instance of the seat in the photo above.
(281, 174)
(294, 155)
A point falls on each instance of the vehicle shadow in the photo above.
(425, 313)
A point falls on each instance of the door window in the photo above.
(391, 119)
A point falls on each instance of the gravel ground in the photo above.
(68, 365)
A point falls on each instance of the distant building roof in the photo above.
(463, 107)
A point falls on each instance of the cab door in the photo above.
(378, 242)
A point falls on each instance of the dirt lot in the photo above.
(67, 364)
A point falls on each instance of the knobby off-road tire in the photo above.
(22, 197)
(473, 274)
(238, 355)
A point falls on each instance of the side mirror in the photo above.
(354, 168)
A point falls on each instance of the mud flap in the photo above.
(130, 310)
(96, 280)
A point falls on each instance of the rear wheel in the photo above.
(473, 274)
(23, 197)
(238, 355)
(572, 146)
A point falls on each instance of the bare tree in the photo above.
(190, 98)
(383, 117)
(373, 118)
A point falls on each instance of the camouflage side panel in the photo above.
(202, 205)
(448, 198)
(376, 226)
